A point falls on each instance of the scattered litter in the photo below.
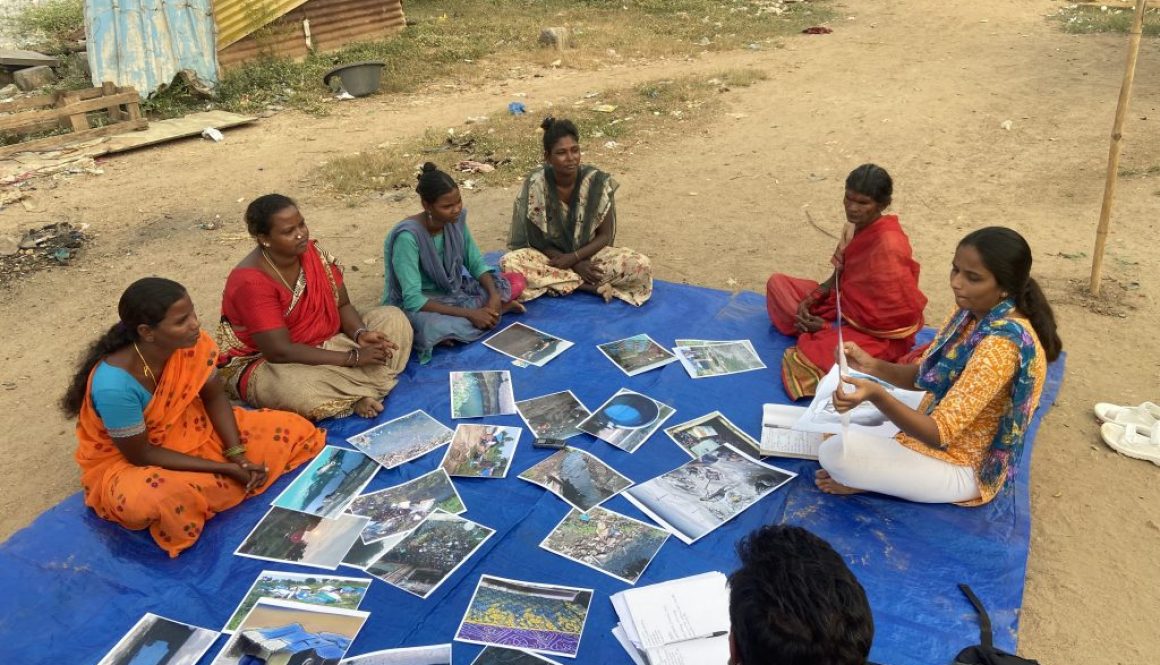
(704, 42)
(817, 30)
(754, 46)
(605, 108)
(371, 261)
(476, 119)
(1007, 124)
(212, 133)
(517, 108)
(343, 96)
(557, 63)
(52, 244)
(590, 95)
(469, 184)
(612, 145)
(472, 166)
(208, 226)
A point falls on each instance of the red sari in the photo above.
(254, 302)
(881, 306)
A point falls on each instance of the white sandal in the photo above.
(1133, 441)
(1145, 414)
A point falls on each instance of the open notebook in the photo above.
(778, 438)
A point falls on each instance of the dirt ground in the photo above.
(919, 87)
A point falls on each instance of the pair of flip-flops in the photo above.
(1133, 431)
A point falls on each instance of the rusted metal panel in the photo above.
(238, 18)
(145, 43)
(332, 25)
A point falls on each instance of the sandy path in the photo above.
(918, 87)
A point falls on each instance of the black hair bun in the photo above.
(428, 167)
(547, 123)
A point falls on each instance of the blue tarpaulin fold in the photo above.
(73, 584)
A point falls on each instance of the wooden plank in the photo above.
(114, 111)
(37, 101)
(20, 59)
(18, 120)
(64, 140)
(176, 128)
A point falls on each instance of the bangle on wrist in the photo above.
(352, 358)
(234, 451)
(358, 333)
(577, 255)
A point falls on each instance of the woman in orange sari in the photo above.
(159, 445)
(881, 303)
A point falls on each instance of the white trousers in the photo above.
(878, 464)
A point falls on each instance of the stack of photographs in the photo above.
(637, 354)
(627, 419)
(307, 540)
(279, 631)
(526, 344)
(701, 495)
(403, 439)
(577, 477)
(329, 591)
(703, 435)
(481, 451)
(427, 556)
(612, 543)
(329, 483)
(160, 641)
(705, 359)
(554, 416)
(525, 615)
(481, 394)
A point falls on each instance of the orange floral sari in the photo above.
(174, 505)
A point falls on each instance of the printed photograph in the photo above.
(719, 359)
(159, 641)
(279, 632)
(523, 615)
(401, 508)
(525, 343)
(428, 555)
(707, 433)
(505, 656)
(553, 416)
(637, 354)
(329, 483)
(438, 654)
(627, 419)
(480, 394)
(481, 451)
(577, 477)
(360, 555)
(329, 591)
(702, 494)
(402, 439)
(307, 540)
(612, 543)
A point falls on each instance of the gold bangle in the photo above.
(234, 451)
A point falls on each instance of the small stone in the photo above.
(557, 38)
(8, 246)
(33, 78)
(9, 90)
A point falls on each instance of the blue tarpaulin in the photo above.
(73, 584)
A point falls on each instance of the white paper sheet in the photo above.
(822, 417)
(693, 652)
(675, 611)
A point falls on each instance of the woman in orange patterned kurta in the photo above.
(984, 374)
(159, 445)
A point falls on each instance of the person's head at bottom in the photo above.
(793, 601)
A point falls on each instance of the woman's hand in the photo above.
(375, 338)
(804, 321)
(495, 305)
(373, 355)
(483, 318)
(865, 390)
(589, 273)
(857, 358)
(564, 261)
(245, 473)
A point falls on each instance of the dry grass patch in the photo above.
(1088, 19)
(612, 124)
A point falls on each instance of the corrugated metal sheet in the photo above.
(239, 18)
(333, 24)
(145, 43)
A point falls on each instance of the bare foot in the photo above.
(830, 486)
(368, 407)
(605, 291)
(514, 306)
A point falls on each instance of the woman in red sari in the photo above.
(290, 337)
(881, 303)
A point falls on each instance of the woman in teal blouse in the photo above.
(437, 275)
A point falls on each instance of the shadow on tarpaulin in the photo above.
(74, 584)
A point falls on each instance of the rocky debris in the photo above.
(34, 78)
(557, 38)
(50, 245)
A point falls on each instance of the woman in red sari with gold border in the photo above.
(882, 305)
(290, 337)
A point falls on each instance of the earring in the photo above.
(265, 244)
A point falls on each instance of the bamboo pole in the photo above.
(1114, 148)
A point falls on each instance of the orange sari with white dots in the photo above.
(174, 505)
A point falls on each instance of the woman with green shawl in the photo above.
(563, 227)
